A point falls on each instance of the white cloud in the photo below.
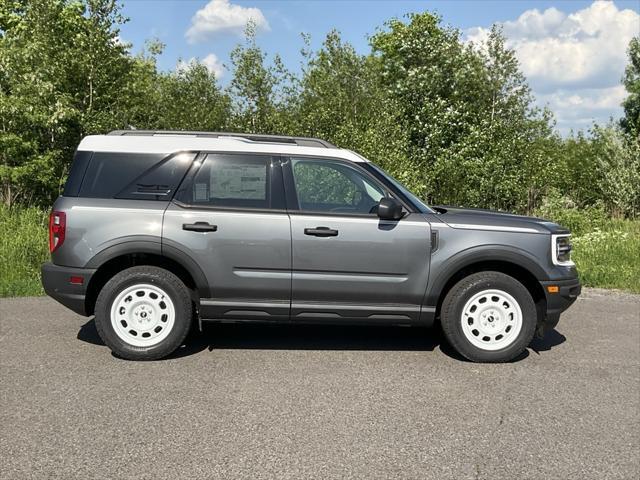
(214, 65)
(211, 61)
(222, 16)
(577, 109)
(573, 61)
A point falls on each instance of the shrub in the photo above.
(564, 211)
(23, 249)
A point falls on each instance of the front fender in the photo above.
(483, 253)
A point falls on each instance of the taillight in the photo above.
(57, 227)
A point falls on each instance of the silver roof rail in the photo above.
(253, 137)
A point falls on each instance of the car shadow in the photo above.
(250, 336)
(551, 339)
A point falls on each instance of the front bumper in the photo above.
(57, 283)
(568, 291)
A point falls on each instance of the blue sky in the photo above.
(572, 51)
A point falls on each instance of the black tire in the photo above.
(163, 279)
(452, 314)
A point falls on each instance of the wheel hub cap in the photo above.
(142, 315)
(491, 319)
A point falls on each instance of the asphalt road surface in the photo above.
(242, 401)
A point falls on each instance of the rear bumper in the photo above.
(568, 291)
(56, 281)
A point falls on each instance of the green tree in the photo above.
(259, 91)
(617, 158)
(191, 100)
(631, 120)
(342, 99)
(63, 69)
(475, 138)
(64, 74)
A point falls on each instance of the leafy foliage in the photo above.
(631, 121)
(453, 121)
(23, 252)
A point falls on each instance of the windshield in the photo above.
(419, 204)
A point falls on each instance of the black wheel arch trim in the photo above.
(191, 266)
(485, 253)
(152, 245)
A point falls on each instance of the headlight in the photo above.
(561, 250)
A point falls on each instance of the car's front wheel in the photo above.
(489, 317)
(143, 313)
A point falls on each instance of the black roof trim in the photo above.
(253, 137)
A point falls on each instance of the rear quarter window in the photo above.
(109, 173)
(78, 168)
(161, 180)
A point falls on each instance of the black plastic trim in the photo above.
(244, 309)
(190, 265)
(154, 247)
(132, 245)
(480, 254)
(55, 281)
(569, 290)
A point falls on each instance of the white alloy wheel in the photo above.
(142, 315)
(491, 320)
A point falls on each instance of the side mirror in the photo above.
(389, 209)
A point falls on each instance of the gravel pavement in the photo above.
(298, 402)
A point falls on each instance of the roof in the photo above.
(167, 142)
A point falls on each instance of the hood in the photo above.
(478, 219)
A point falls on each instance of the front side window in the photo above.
(228, 180)
(331, 186)
(412, 198)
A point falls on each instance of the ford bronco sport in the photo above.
(156, 232)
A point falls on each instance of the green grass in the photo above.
(606, 251)
(608, 255)
(23, 249)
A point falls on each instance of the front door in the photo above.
(229, 216)
(348, 264)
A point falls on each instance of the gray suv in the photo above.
(157, 232)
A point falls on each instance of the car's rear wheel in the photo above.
(143, 313)
(489, 317)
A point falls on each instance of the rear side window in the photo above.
(160, 181)
(109, 173)
(232, 181)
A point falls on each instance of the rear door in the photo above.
(229, 215)
(348, 264)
